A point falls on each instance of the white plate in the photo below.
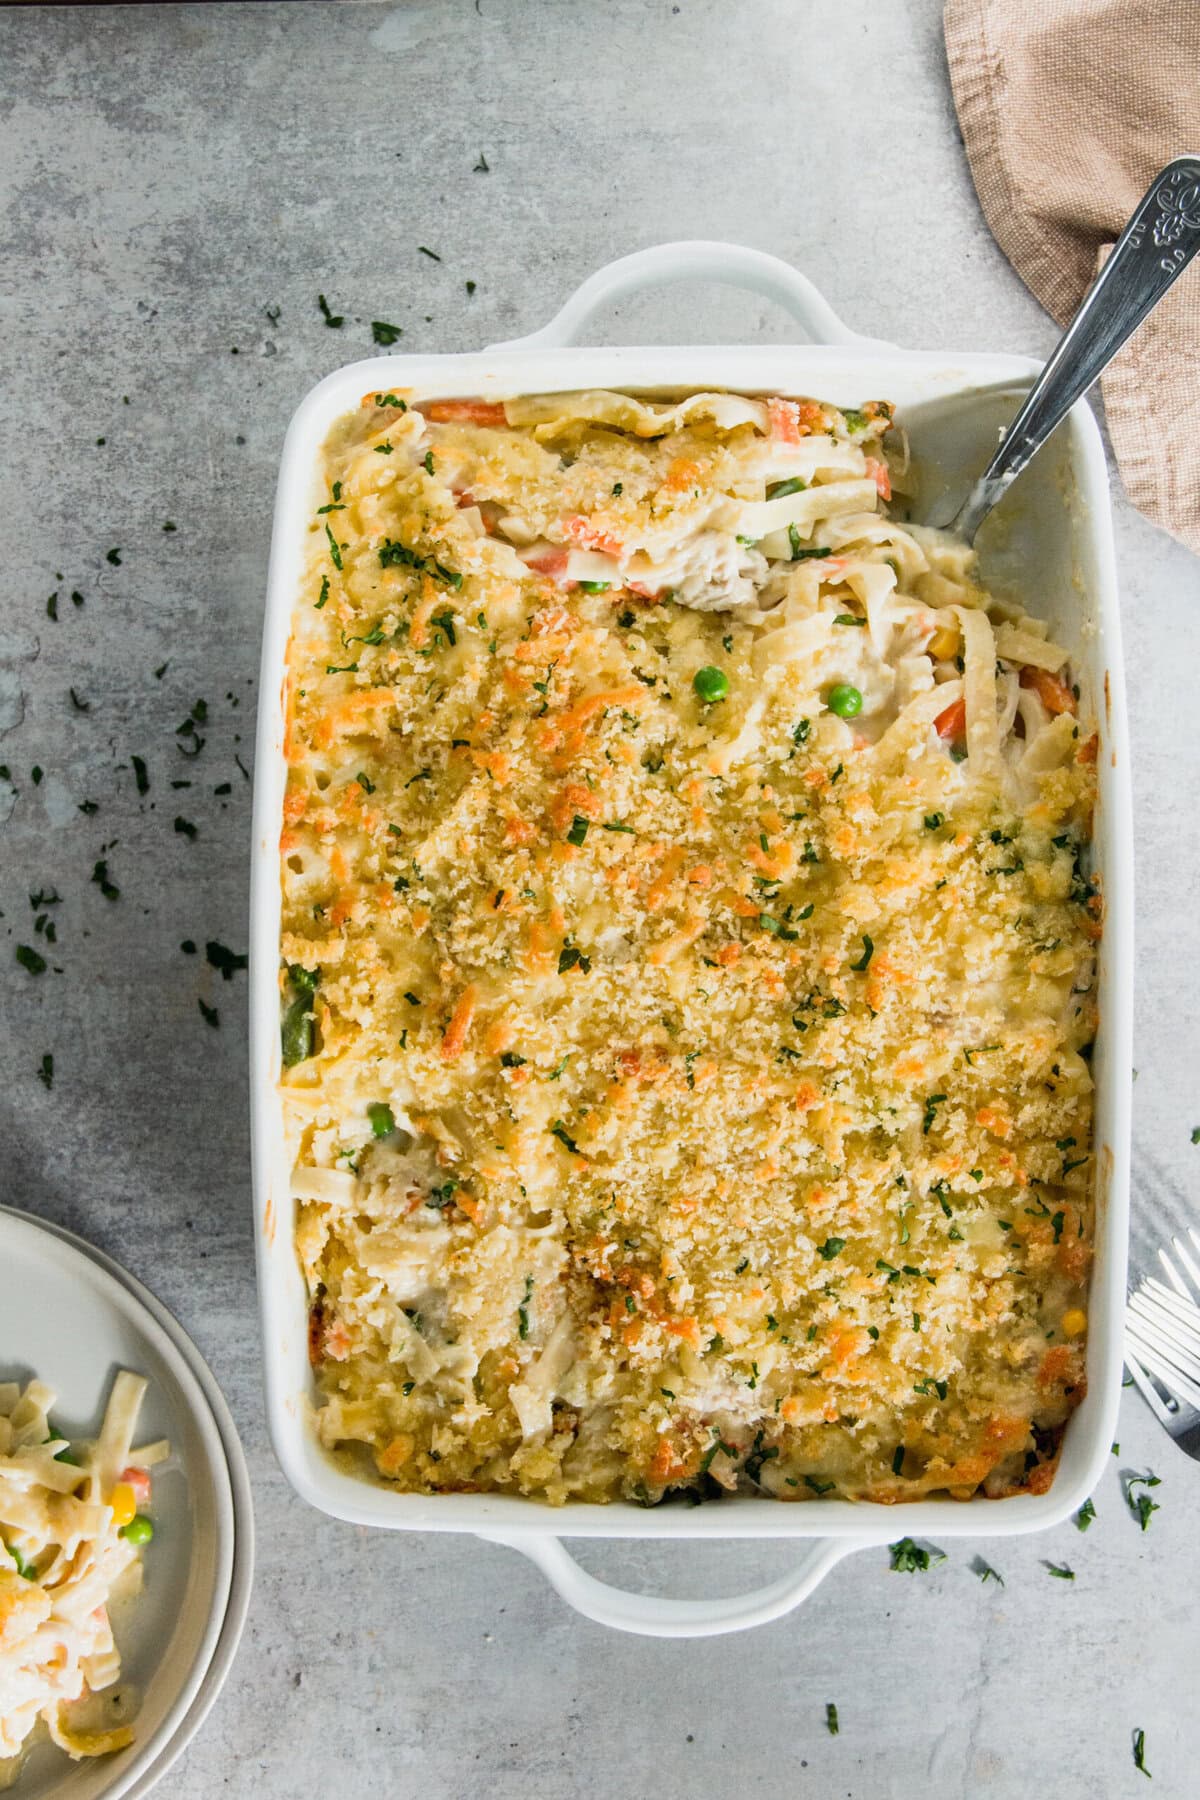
(73, 1317)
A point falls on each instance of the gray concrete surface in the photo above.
(180, 183)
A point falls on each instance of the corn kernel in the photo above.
(1074, 1321)
(123, 1503)
(944, 644)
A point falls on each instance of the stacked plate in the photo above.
(72, 1317)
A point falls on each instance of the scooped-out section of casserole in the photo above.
(687, 963)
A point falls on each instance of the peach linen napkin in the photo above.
(1068, 108)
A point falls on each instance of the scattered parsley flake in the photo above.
(228, 962)
(385, 334)
(45, 1072)
(335, 321)
(909, 1556)
(29, 959)
(211, 1015)
(1140, 1505)
(101, 879)
(831, 1718)
(185, 828)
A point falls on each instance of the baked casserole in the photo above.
(687, 963)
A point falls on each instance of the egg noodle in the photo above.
(687, 963)
(68, 1547)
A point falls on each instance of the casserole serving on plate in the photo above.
(1051, 550)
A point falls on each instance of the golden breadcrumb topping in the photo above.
(687, 964)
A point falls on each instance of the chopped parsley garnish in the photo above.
(831, 1711)
(391, 400)
(570, 957)
(45, 1072)
(931, 1105)
(908, 1556)
(867, 952)
(335, 321)
(30, 959)
(114, 557)
(898, 1460)
(777, 928)
(101, 879)
(228, 962)
(579, 829)
(848, 619)
(819, 1487)
(431, 254)
(801, 732)
(933, 820)
(184, 827)
(1141, 1505)
(1085, 1515)
(385, 334)
(394, 555)
(1139, 1753)
(559, 1130)
(1063, 1571)
(210, 1014)
(832, 1247)
(523, 1308)
(985, 1571)
(335, 551)
(616, 825)
(140, 775)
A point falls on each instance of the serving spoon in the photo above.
(1154, 249)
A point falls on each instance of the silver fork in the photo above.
(1162, 1343)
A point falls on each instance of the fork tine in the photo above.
(1181, 1385)
(1153, 1296)
(1175, 1280)
(1182, 1253)
(1147, 1389)
(1171, 1314)
(1171, 1339)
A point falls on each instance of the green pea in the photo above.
(844, 700)
(595, 587)
(139, 1529)
(711, 684)
(383, 1120)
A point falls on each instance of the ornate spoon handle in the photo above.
(1153, 250)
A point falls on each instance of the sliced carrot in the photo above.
(454, 1042)
(1051, 690)
(952, 723)
(139, 1481)
(463, 412)
(878, 471)
(589, 536)
(550, 561)
(591, 704)
(785, 420)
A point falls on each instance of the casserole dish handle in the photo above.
(697, 259)
(650, 1615)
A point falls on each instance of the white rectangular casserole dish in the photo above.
(1051, 541)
